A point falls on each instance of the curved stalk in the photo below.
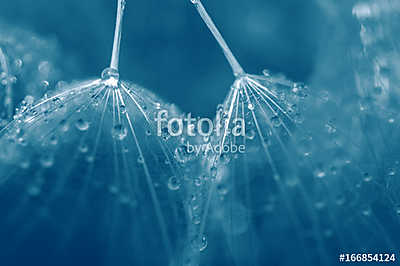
(236, 67)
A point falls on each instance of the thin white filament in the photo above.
(236, 67)
(117, 35)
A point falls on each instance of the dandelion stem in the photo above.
(236, 67)
(117, 35)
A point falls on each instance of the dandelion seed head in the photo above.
(80, 150)
(110, 77)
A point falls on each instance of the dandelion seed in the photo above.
(270, 107)
(99, 147)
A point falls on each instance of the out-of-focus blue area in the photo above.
(167, 48)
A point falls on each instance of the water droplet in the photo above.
(29, 100)
(53, 140)
(61, 84)
(47, 161)
(298, 118)
(319, 173)
(266, 73)
(251, 134)
(18, 63)
(199, 243)
(34, 191)
(164, 133)
(22, 141)
(213, 172)
(122, 109)
(64, 125)
(44, 68)
(8, 80)
(366, 212)
(174, 183)
(140, 160)
(367, 177)
(83, 148)
(119, 132)
(222, 189)
(362, 11)
(330, 128)
(82, 125)
(181, 154)
(194, 202)
(110, 73)
(196, 219)
(276, 121)
(391, 172)
(198, 181)
(299, 89)
(225, 158)
(44, 85)
(365, 104)
(250, 106)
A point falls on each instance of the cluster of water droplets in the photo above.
(94, 138)
(29, 65)
(310, 157)
(347, 152)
